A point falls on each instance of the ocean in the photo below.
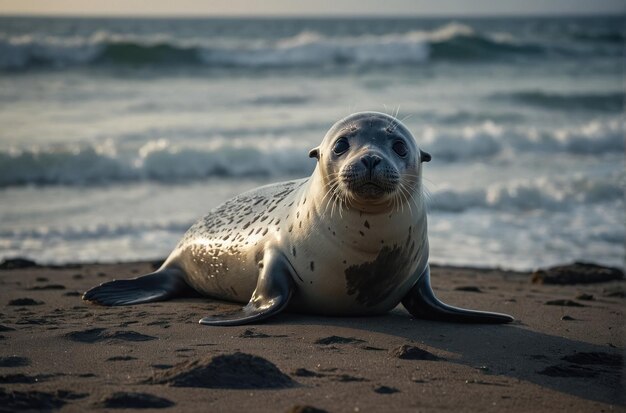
(117, 134)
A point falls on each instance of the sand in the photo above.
(564, 352)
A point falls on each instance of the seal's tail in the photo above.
(158, 286)
(421, 302)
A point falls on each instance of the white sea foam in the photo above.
(161, 160)
(488, 139)
(540, 194)
(306, 48)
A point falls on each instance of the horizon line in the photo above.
(313, 16)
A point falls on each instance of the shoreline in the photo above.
(565, 348)
(19, 262)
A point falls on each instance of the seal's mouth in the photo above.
(370, 190)
(369, 185)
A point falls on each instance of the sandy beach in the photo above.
(565, 350)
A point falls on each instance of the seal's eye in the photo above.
(400, 148)
(341, 146)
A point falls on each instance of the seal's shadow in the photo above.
(506, 350)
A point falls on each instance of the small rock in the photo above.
(302, 372)
(386, 390)
(407, 352)
(469, 288)
(577, 273)
(338, 340)
(25, 301)
(17, 263)
(564, 303)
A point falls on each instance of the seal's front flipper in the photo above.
(422, 303)
(158, 286)
(273, 291)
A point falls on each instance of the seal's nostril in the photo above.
(370, 161)
(376, 161)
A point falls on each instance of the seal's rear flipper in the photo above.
(158, 286)
(273, 291)
(422, 303)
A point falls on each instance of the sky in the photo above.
(201, 8)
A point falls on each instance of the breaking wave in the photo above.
(162, 161)
(542, 194)
(154, 161)
(490, 139)
(449, 42)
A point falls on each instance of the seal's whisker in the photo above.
(332, 200)
(330, 185)
(409, 116)
(408, 195)
(330, 192)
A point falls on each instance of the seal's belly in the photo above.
(351, 286)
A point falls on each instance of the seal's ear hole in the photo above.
(314, 153)
(425, 156)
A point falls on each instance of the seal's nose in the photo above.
(370, 161)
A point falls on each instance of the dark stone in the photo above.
(17, 263)
(577, 273)
(126, 400)
(121, 358)
(567, 318)
(407, 352)
(302, 372)
(469, 288)
(25, 301)
(338, 340)
(386, 390)
(6, 328)
(229, 371)
(564, 303)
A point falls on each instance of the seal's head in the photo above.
(370, 161)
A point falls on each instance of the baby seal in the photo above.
(349, 240)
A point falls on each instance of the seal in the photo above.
(349, 240)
